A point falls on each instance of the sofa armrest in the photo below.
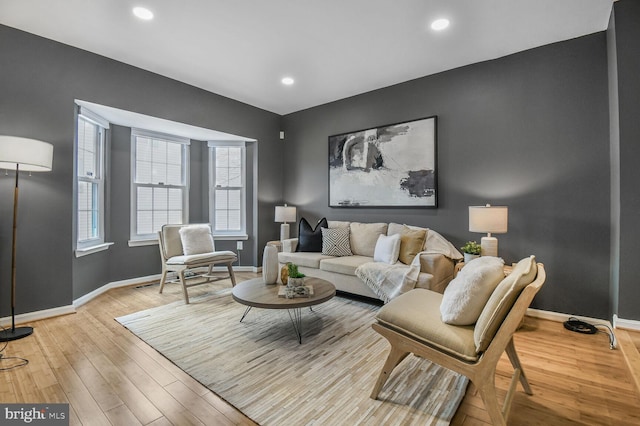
(289, 245)
(440, 266)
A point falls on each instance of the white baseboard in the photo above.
(626, 324)
(38, 315)
(115, 284)
(560, 317)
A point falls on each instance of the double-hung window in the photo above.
(227, 183)
(160, 187)
(90, 181)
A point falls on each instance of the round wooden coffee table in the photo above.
(255, 293)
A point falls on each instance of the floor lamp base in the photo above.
(15, 334)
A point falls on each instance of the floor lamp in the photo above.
(27, 155)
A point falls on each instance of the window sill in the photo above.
(141, 243)
(226, 237)
(93, 249)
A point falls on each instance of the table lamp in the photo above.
(489, 219)
(27, 155)
(285, 214)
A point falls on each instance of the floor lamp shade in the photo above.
(28, 155)
(489, 219)
(285, 214)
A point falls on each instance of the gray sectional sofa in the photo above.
(436, 258)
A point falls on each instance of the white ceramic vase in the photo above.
(270, 264)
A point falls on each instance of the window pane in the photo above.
(160, 199)
(235, 157)
(221, 199)
(175, 199)
(88, 217)
(174, 153)
(175, 216)
(159, 151)
(174, 174)
(222, 157)
(143, 171)
(87, 148)
(145, 199)
(235, 176)
(222, 177)
(144, 223)
(234, 199)
(159, 173)
(234, 220)
(221, 220)
(160, 217)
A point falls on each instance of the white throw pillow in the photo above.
(196, 239)
(387, 249)
(465, 296)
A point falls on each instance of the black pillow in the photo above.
(310, 239)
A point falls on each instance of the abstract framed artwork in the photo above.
(387, 166)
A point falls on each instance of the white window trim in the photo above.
(137, 240)
(93, 245)
(232, 235)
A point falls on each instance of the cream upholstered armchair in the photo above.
(185, 248)
(412, 324)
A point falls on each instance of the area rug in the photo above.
(259, 367)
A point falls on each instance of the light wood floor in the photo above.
(109, 376)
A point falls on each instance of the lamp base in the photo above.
(489, 246)
(284, 231)
(15, 334)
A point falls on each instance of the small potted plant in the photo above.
(296, 279)
(471, 250)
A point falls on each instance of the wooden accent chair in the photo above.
(174, 259)
(411, 323)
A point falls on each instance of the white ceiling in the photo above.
(332, 48)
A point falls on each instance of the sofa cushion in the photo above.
(196, 239)
(310, 239)
(364, 237)
(338, 224)
(335, 242)
(501, 301)
(387, 249)
(343, 265)
(310, 260)
(416, 313)
(465, 296)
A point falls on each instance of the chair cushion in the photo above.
(335, 242)
(465, 296)
(310, 239)
(416, 314)
(501, 301)
(343, 265)
(364, 237)
(387, 249)
(310, 260)
(204, 258)
(196, 239)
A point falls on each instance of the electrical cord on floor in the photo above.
(22, 362)
(579, 326)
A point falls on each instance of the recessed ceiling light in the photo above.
(440, 24)
(288, 81)
(143, 13)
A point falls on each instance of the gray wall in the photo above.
(528, 130)
(627, 37)
(39, 81)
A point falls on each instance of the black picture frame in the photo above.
(394, 165)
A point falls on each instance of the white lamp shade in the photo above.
(29, 154)
(491, 219)
(285, 214)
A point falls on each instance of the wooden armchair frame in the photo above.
(173, 260)
(482, 372)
